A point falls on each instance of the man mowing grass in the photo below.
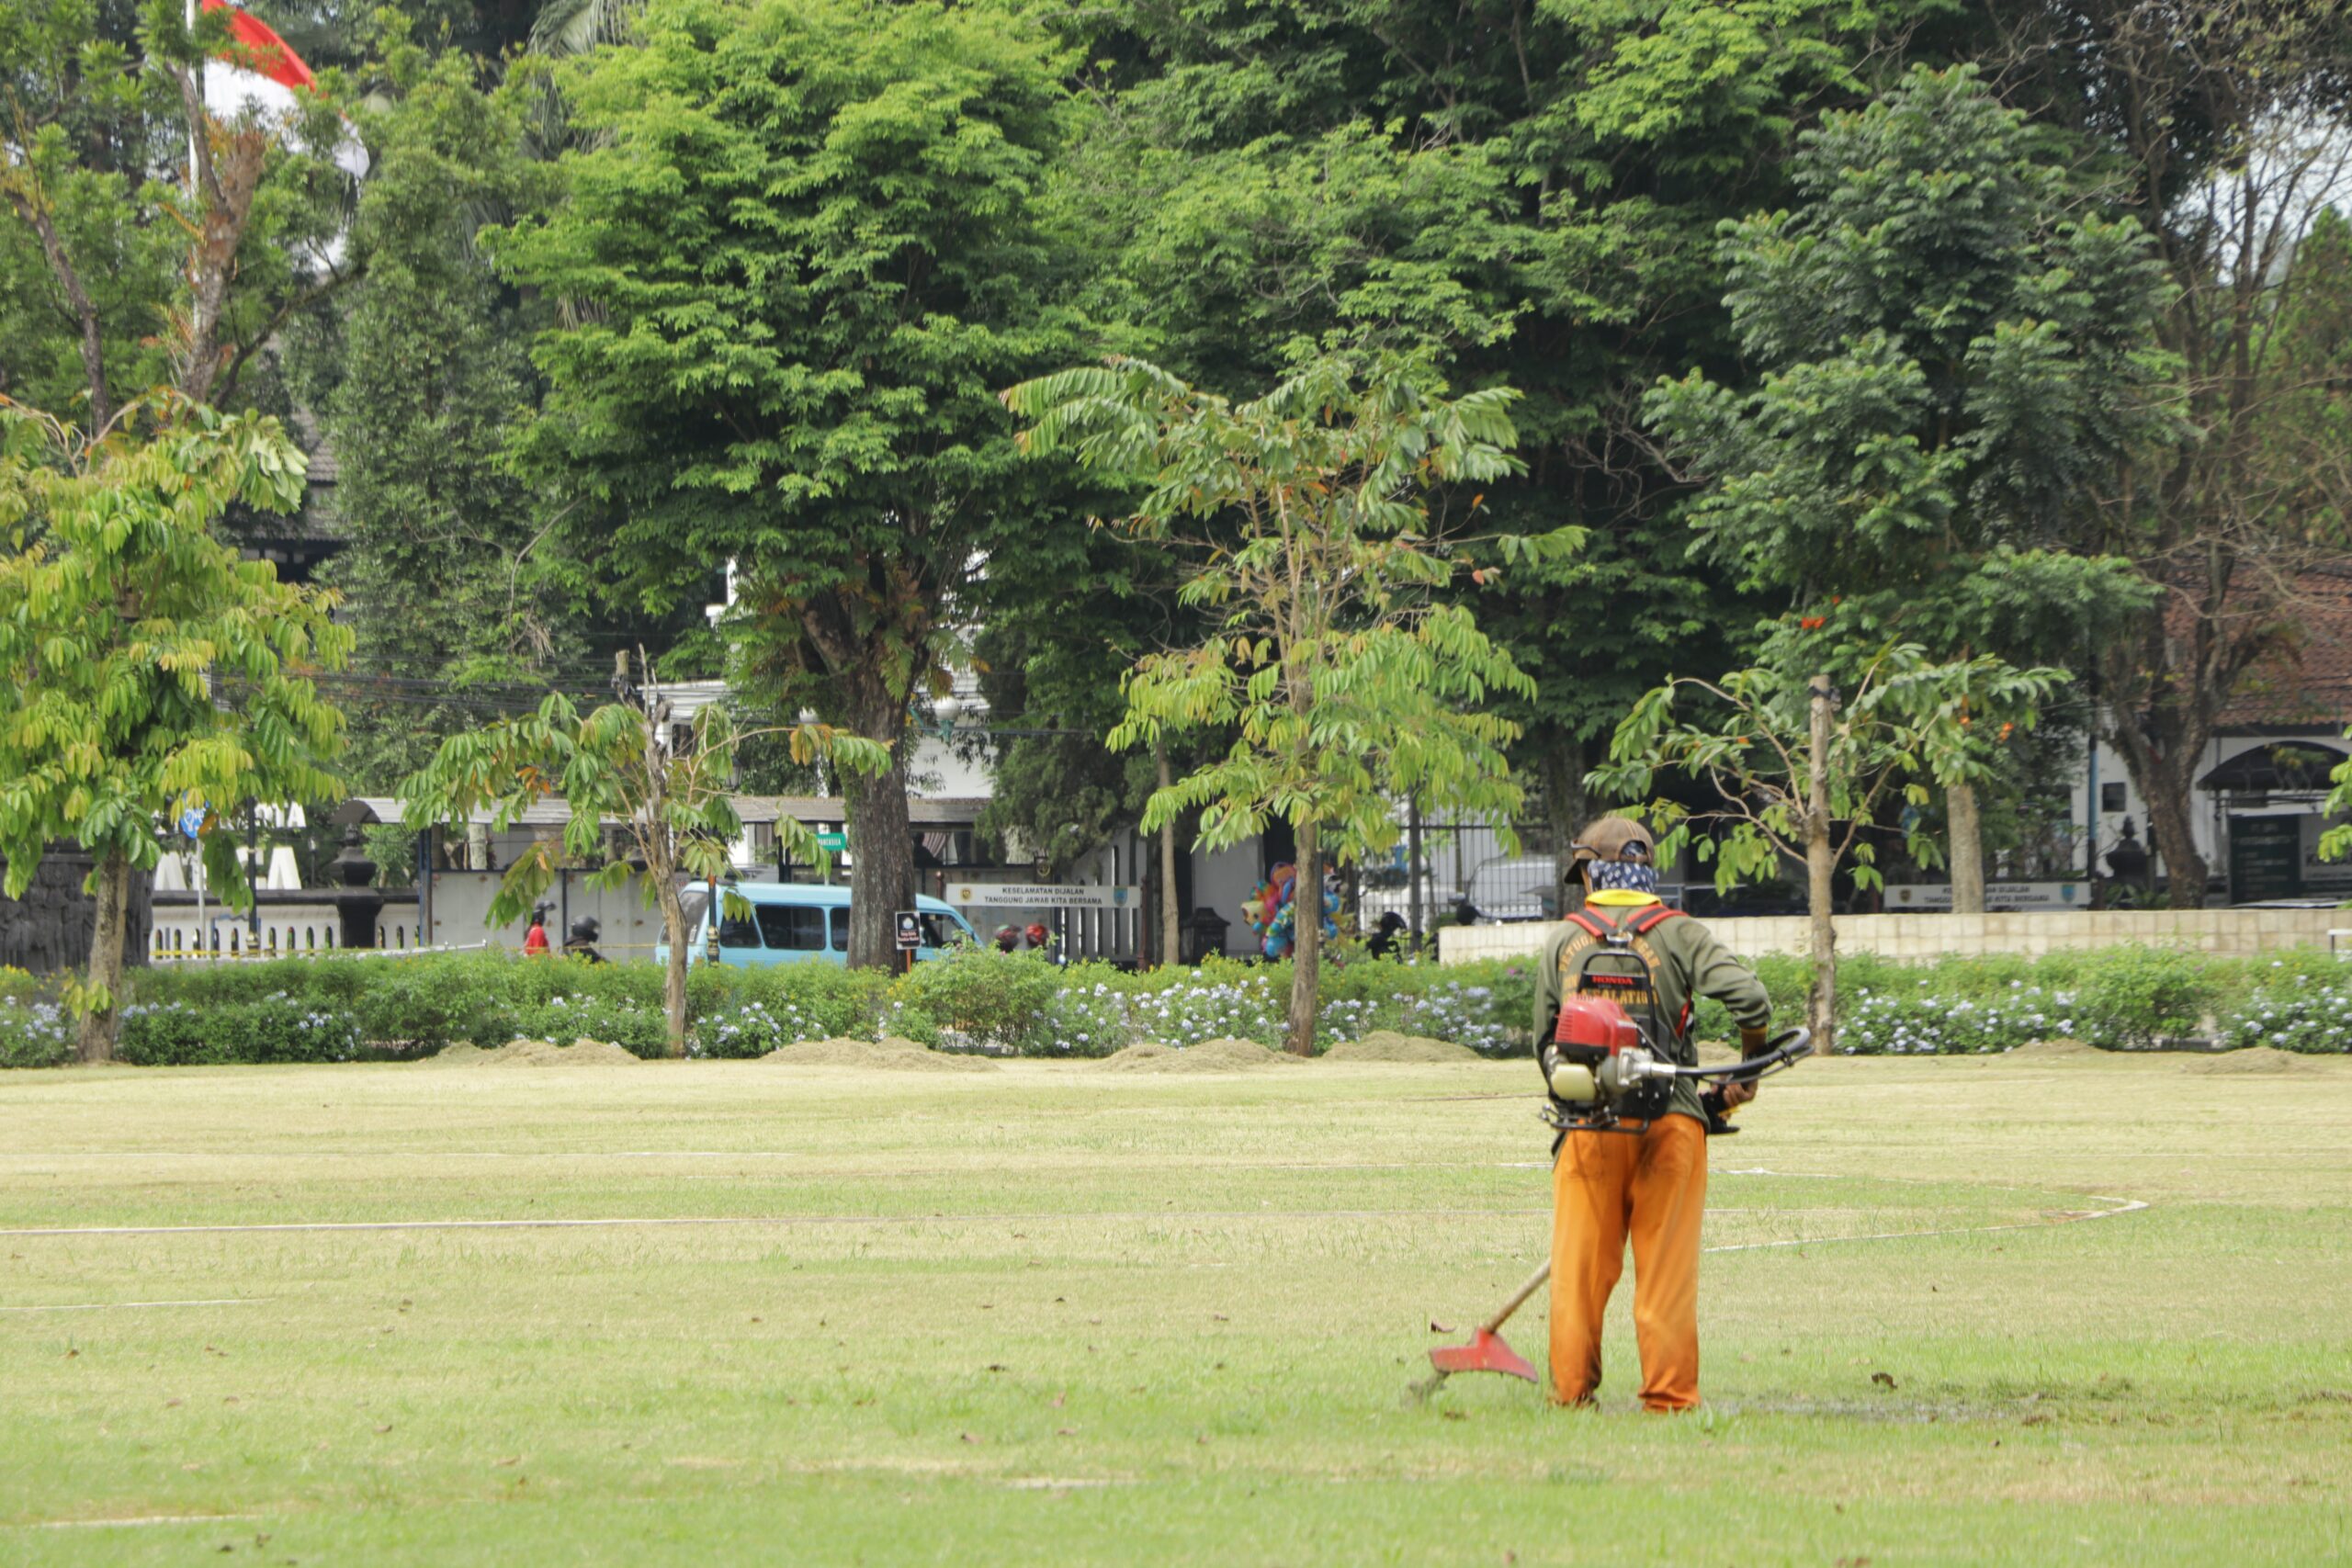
(1646, 1179)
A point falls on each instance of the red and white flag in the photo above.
(261, 78)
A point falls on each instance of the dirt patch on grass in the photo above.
(1388, 1045)
(1225, 1056)
(534, 1054)
(892, 1053)
(1715, 1054)
(2053, 1051)
(2254, 1059)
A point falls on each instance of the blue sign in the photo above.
(192, 821)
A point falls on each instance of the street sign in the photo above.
(832, 843)
(909, 930)
(1042, 896)
(192, 822)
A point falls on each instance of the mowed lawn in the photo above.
(1050, 1313)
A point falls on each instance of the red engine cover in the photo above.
(1596, 1023)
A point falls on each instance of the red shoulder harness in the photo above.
(1647, 921)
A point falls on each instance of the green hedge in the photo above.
(349, 1006)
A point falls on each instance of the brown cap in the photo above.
(1615, 838)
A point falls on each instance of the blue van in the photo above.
(791, 922)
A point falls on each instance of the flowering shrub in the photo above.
(751, 1029)
(1478, 1016)
(2305, 1014)
(34, 1035)
(273, 1029)
(1185, 1014)
(567, 1019)
(993, 997)
(1087, 1019)
(1922, 1023)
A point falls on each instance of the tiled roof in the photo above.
(2309, 682)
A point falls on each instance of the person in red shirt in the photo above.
(535, 941)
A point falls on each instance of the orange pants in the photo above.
(1652, 1186)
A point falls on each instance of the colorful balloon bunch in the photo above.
(1271, 910)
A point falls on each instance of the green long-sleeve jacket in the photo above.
(1690, 962)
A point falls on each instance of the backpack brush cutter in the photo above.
(1606, 1073)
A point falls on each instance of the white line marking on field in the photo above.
(2129, 1206)
(134, 1523)
(125, 1306)
(416, 1153)
(656, 1221)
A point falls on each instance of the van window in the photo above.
(938, 931)
(736, 926)
(793, 927)
(692, 902)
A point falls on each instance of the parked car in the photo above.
(793, 922)
(1510, 888)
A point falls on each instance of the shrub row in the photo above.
(335, 1010)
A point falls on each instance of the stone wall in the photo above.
(1919, 938)
(48, 929)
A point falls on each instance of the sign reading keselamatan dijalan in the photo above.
(1042, 895)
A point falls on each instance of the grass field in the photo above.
(1048, 1312)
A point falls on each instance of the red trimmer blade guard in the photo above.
(1485, 1353)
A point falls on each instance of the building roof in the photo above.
(946, 812)
(2306, 684)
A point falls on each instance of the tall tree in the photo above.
(2224, 125)
(153, 672)
(804, 247)
(1955, 363)
(1304, 520)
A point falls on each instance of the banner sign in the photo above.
(2000, 897)
(1042, 895)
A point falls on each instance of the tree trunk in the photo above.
(2172, 831)
(1172, 919)
(96, 1037)
(1567, 805)
(1820, 862)
(881, 844)
(1967, 848)
(1306, 936)
(674, 973)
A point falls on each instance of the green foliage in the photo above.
(1956, 355)
(421, 379)
(620, 764)
(1345, 680)
(994, 996)
(33, 1034)
(2133, 996)
(1753, 748)
(273, 1029)
(1302, 523)
(566, 1020)
(120, 269)
(2303, 1012)
(1957, 359)
(801, 247)
(123, 624)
